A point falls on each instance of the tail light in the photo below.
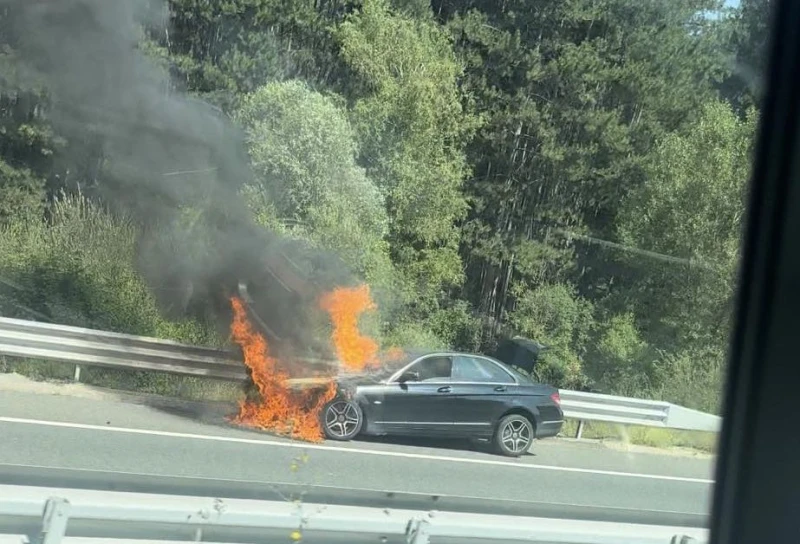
(555, 397)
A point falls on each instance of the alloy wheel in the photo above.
(342, 419)
(516, 435)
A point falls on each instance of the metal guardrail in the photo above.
(92, 347)
(79, 346)
(630, 411)
(47, 513)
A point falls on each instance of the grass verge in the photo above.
(656, 437)
(158, 383)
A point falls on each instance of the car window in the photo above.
(474, 369)
(436, 368)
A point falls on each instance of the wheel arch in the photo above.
(363, 403)
(522, 411)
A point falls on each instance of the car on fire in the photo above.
(445, 395)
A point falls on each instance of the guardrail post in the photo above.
(77, 375)
(579, 432)
(417, 532)
(54, 521)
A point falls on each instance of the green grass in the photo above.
(656, 437)
(39, 370)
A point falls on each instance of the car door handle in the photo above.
(500, 388)
(445, 389)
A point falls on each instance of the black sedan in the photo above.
(446, 395)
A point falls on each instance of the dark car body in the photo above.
(452, 395)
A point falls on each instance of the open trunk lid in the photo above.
(520, 352)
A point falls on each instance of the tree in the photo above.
(691, 209)
(225, 48)
(27, 143)
(557, 317)
(749, 30)
(303, 152)
(575, 94)
(411, 128)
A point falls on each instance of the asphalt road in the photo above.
(160, 440)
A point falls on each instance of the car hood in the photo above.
(369, 376)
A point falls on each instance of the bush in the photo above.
(691, 378)
(412, 335)
(557, 317)
(457, 327)
(76, 268)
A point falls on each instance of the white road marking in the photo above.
(321, 447)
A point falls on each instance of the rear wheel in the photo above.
(514, 435)
(342, 419)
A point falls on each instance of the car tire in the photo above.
(341, 419)
(514, 435)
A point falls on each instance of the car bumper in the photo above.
(547, 429)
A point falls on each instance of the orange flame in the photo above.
(280, 409)
(345, 305)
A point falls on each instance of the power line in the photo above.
(694, 263)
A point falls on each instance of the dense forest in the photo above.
(572, 171)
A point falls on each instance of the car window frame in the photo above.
(394, 377)
(437, 380)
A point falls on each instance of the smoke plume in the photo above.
(171, 161)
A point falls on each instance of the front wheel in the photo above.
(514, 435)
(341, 419)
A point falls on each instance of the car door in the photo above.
(422, 406)
(482, 391)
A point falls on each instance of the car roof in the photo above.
(422, 353)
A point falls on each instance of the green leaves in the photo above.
(692, 203)
(21, 193)
(559, 318)
(410, 124)
(303, 152)
(692, 207)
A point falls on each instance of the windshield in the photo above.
(237, 219)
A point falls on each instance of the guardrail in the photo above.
(46, 513)
(79, 346)
(92, 347)
(629, 411)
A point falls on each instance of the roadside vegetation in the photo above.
(573, 172)
(644, 436)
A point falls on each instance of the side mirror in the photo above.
(409, 376)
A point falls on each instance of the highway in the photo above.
(50, 439)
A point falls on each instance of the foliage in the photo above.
(77, 267)
(411, 127)
(561, 320)
(570, 171)
(691, 208)
(574, 95)
(619, 357)
(21, 192)
(303, 153)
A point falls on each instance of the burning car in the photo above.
(447, 395)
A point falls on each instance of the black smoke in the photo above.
(172, 162)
